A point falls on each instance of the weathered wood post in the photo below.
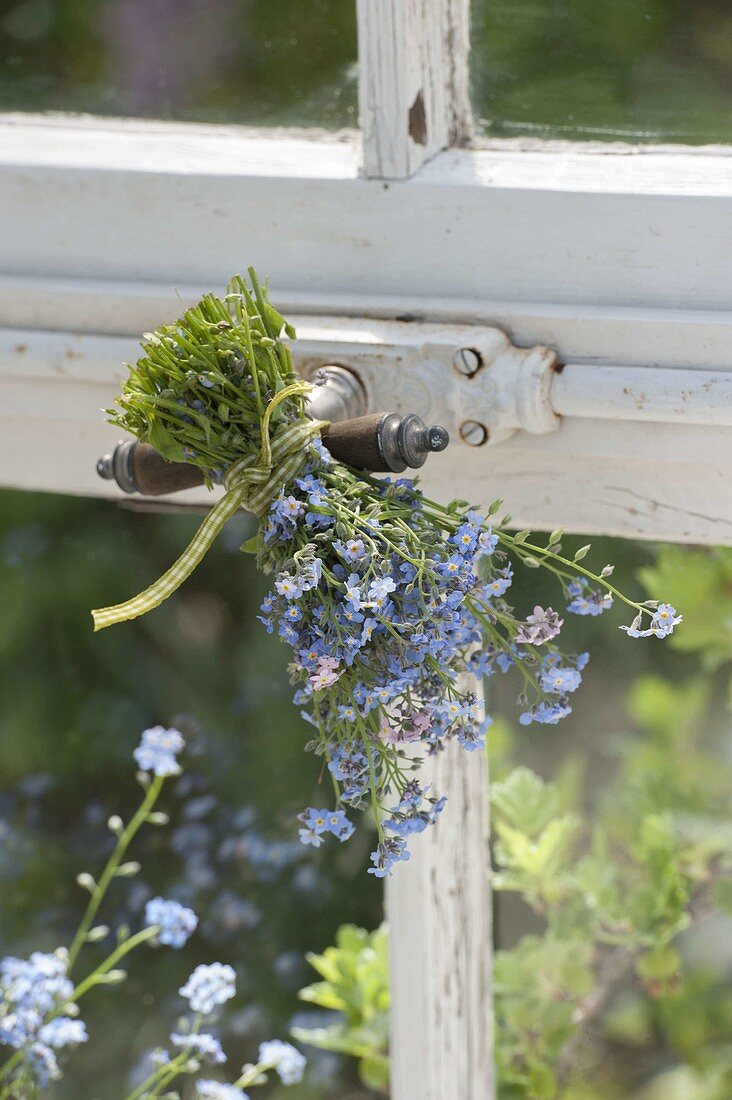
(439, 911)
(413, 94)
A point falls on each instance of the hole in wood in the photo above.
(418, 121)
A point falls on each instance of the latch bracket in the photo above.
(471, 378)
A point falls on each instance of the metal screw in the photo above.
(473, 433)
(467, 361)
(104, 467)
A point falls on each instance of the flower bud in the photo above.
(97, 933)
(127, 870)
(112, 977)
(158, 818)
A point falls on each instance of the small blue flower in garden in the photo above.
(500, 583)
(285, 1059)
(487, 543)
(391, 850)
(288, 587)
(635, 629)
(201, 1045)
(43, 1065)
(176, 923)
(548, 714)
(310, 837)
(63, 1032)
(317, 820)
(339, 825)
(664, 620)
(586, 601)
(465, 538)
(380, 588)
(30, 991)
(353, 591)
(558, 681)
(157, 751)
(214, 1090)
(352, 551)
(209, 986)
(471, 737)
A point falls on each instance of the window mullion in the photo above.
(413, 82)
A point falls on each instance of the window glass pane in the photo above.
(633, 70)
(259, 62)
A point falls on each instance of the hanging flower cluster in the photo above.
(391, 603)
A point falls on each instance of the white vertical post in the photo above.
(414, 102)
(439, 910)
(413, 82)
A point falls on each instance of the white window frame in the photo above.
(607, 254)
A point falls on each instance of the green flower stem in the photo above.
(83, 987)
(101, 887)
(161, 1075)
(8, 1067)
(165, 1074)
(109, 963)
(575, 567)
(252, 1074)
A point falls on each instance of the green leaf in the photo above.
(251, 546)
(324, 995)
(526, 801)
(659, 965)
(374, 1071)
(542, 1083)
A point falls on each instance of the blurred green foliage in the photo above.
(625, 991)
(635, 70)
(261, 62)
(73, 706)
(355, 984)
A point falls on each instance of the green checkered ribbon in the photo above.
(252, 483)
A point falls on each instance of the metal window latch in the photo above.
(471, 378)
(379, 442)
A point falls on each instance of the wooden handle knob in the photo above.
(356, 442)
(154, 476)
(379, 442)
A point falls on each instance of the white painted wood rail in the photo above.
(658, 468)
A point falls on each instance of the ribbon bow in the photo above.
(252, 483)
